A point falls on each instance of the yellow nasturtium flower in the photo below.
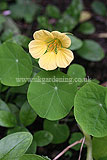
(51, 49)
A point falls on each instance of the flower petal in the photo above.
(37, 48)
(48, 61)
(65, 40)
(64, 57)
(43, 35)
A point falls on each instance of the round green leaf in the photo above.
(99, 147)
(90, 109)
(15, 145)
(99, 8)
(76, 43)
(15, 64)
(31, 157)
(86, 28)
(7, 119)
(77, 72)
(43, 138)
(27, 114)
(91, 50)
(49, 98)
(60, 132)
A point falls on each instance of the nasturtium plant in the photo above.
(52, 100)
(13, 56)
(60, 132)
(90, 109)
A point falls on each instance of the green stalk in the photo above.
(88, 143)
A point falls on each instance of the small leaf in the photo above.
(76, 137)
(90, 109)
(68, 154)
(99, 8)
(4, 106)
(76, 43)
(53, 11)
(27, 115)
(14, 109)
(91, 51)
(15, 145)
(77, 72)
(15, 65)
(60, 132)
(86, 28)
(51, 96)
(33, 147)
(43, 138)
(99, 147)
(7, 119)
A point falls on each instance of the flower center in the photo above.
(54, 45)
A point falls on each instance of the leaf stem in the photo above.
(67, 148)
(88, 143)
